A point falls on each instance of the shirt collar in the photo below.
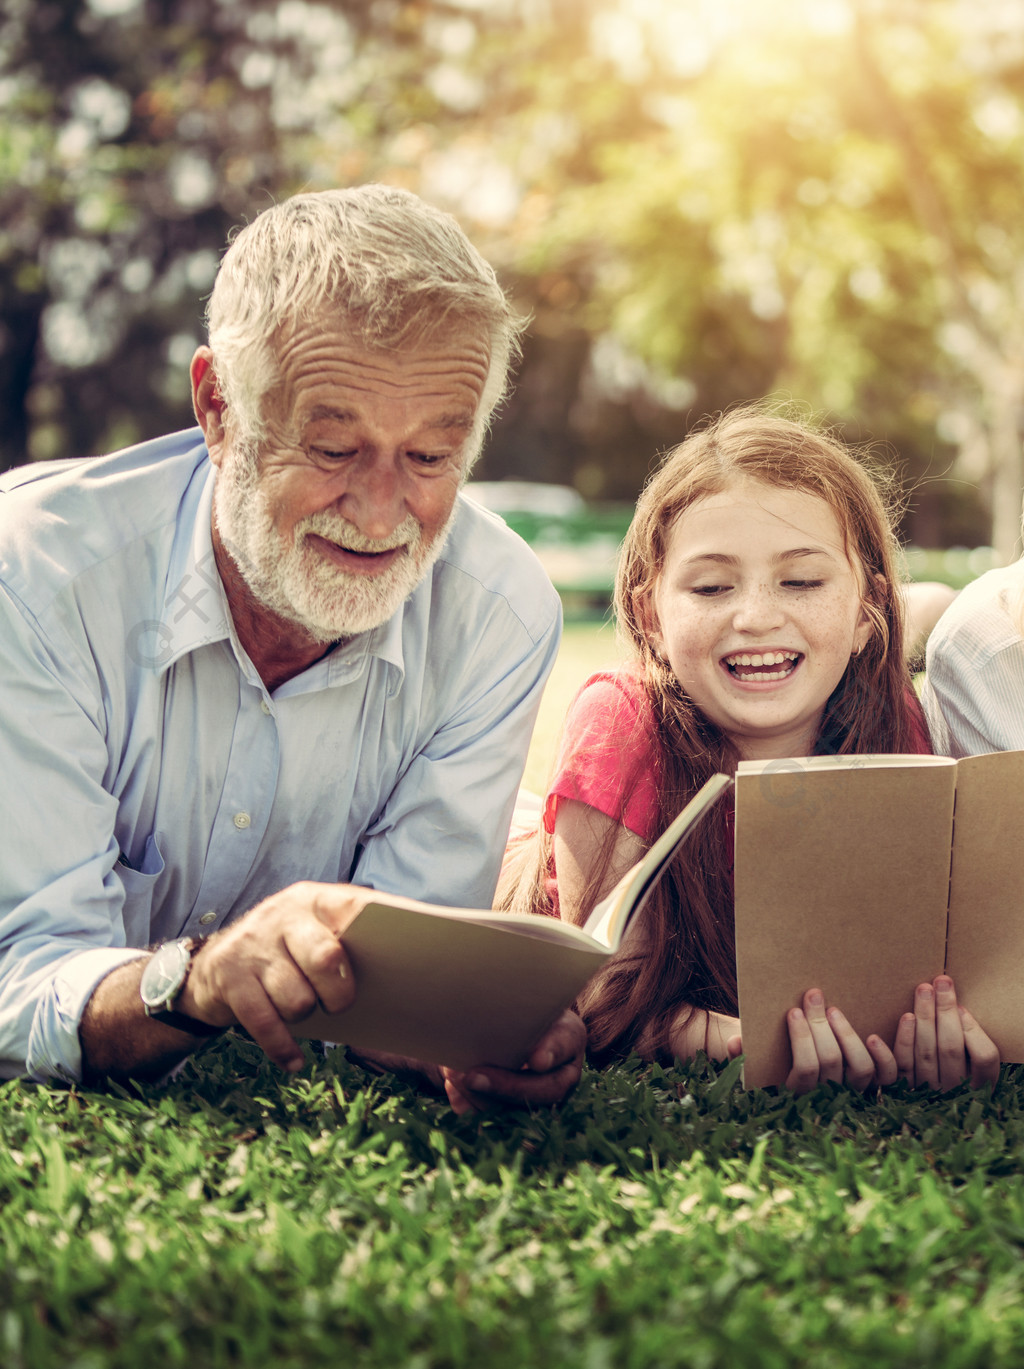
(195, 608)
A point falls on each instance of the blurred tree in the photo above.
(698, 201)
(821, 201)
(135, 134)
(704, 203)
(129, 145)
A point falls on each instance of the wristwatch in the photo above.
(163, 980)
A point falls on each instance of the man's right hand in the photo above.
(276, 964)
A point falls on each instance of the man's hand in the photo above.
(552, 1071)
(276, 964)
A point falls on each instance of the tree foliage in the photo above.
(698, 203)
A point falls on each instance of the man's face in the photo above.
(356, 478)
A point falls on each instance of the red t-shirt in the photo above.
(607, 757)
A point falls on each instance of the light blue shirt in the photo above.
(974, 685)
(151, 787)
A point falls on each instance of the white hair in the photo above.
(395, 268)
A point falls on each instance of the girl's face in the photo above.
(757, 610)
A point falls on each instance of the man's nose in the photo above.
(374, 496)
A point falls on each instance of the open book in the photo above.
(470, 987)
(865, 875)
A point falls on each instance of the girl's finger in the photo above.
(903, 1047)
(830, 1057)
(804, 1074)
(887, 1069)
(983, 1051)
(859, 1071)
(926, 1058)
(949, 1035)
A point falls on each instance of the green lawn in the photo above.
(241, 1218)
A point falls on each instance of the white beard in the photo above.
(299, 584)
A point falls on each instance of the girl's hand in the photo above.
(940, 1044)
(695, 1029)
(825, 1047)
(723, 1041)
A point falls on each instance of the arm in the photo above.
(589, 845)
(475, 671)
(270, 968)
(974, 686)
(441, 834)
(62, 892)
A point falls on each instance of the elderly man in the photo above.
(278, 649)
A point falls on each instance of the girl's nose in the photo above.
(758, 610)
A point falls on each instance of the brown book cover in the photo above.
(865, 875)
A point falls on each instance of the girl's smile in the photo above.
(758, 610)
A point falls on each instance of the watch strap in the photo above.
(184, 1023)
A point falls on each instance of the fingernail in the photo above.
(479, 1083)
(925, 991)
(816, 997)
(943, 984)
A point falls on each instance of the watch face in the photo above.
(164, 974)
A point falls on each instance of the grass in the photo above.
(660, 1218)
(240, 1217)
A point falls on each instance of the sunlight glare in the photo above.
(687, 33)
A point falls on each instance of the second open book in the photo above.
(865, 875)
(465, 987)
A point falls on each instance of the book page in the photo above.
(451, 991)
(985, 951)
(608, 922)
(842, 880)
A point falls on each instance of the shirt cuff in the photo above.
(54, 1047)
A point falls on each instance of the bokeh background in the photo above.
(698, 202)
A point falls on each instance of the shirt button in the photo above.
(208, 917)
(242, 820)
(265, 706)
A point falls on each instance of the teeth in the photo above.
(762, 658)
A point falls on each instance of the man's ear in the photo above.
(207, 403)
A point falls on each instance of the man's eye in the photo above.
(333, 453)
(428, 458)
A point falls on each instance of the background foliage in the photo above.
(698, 201)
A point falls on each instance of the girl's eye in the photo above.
(802, 584)
(709, 591)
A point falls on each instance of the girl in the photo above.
(757, 590)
